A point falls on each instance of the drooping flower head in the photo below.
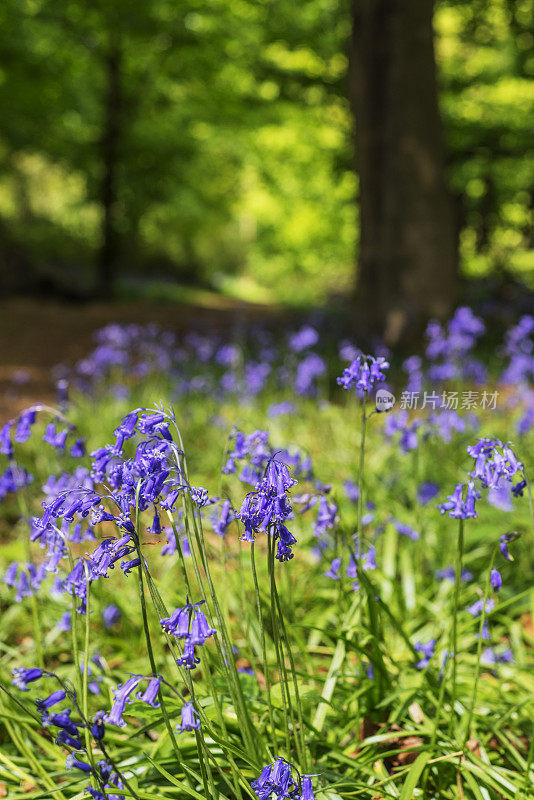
(268, 507)
(364, 373)
(190, 720)
(461, 504)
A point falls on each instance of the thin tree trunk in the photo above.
(408, 261)
(108, 256)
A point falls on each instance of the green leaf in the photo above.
(413, 776)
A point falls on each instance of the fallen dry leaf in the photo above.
(416, 713)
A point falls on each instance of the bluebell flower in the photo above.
(188, 659)
(519, 488)
(457, 506)
(60, 720)
(14, 478)
(364, 373)
(64, 623)
(73, 763)
(307, 789)
(280, 409)
(400, 424)
(65, 738)
(178, 622)
(308, 370)
(268, 507)
(426, 492)
(496, 580)
(500, 496)
(406, 530)
(449, 574)
(277, 778)
(149, 696)
(98, 728)
(200, 630)
(333, 571)
(352, 491)
(494, 462)
(22, 677)
(504, 541)
(96, 794)
(51, 700)
(221, 522)
(427, 651)
(327, 516)
(127, 566)
(6, 445)
(23, 429)
(199, 496)
(121, 697)
(302, 339)
(190, 720)
(111, 614)
(476, 608)
(10, 574)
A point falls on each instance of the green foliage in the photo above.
(373, 730)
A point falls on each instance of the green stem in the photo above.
(266, 671)
(361, 466)
(456, 600)
(276, 639)
(37, 631)
(530, 759)
(150, 651)
(479, 647)
(304, 751)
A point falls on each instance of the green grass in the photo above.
(401, 733)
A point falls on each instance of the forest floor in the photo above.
(36, 335)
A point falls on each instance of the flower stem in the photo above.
(454, 631)
(266, 671)
(479, 647)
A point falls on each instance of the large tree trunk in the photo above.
(108, 255)
(408, 248)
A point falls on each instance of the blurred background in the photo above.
(267, 152)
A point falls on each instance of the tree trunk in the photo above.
(108, 256)
(408, 248)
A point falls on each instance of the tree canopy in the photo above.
(215, 138)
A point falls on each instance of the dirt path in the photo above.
(37, 335)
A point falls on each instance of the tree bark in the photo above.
(108, 256)
(408, 244)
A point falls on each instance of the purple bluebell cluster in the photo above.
(151, 479)
(495, 465)
(268, 507)
(449, 348)
(518, 349)
(124, 693)
(281, 780)
(20, 429)
(461, 503)
(67, 725)
(189, 624)
(199, 363)
(426, 650)
(364, 373)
